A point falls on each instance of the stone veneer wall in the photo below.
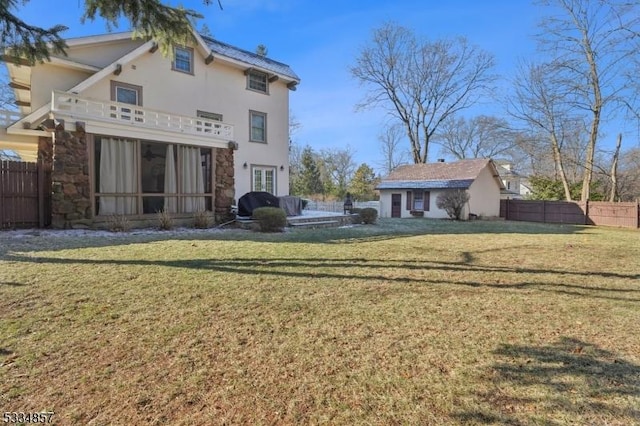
(224, 185)
(71, 202)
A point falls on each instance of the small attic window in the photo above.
(182, 59)
(257, 81)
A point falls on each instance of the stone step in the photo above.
(316, 224)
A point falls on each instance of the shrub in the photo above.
(270, 219)
(202, 219)
(118, 223)
(165, 220)
(368, 215)
(453, 202)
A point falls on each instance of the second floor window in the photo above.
(257, 81)
(182, 59)
(126, 93)
(258, 124)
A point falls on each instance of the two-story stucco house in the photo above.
(129, 131)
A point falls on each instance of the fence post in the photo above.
(586, 213)
(40, 171)
(637, 215)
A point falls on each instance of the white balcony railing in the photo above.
(7, 118)
(116, 112)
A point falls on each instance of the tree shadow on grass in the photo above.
(398, 271)
(567, 382)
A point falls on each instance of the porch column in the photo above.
(224, 185)
(70, 181)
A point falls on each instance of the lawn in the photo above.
(404, 322)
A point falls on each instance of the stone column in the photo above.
(224, 185)
(71, 202)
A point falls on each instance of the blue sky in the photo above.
(319, 39)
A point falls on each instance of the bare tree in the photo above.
(629, 175)
(538, 102)
(419, 82)
(393, 155)
(479, 137)
(593, 43)
(613, 194)
(340, 165)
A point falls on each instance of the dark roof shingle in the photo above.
(458, 174)
(250, 58)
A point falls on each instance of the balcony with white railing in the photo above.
(68, 104)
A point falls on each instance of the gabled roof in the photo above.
(456, 175)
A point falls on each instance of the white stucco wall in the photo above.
(485, 195)
(434, 212)
(217, 88)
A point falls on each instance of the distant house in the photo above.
(514, 189)
(412, 190)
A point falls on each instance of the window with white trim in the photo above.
(418, 201)
(126, 93)
(264, 179)
(257, 81)
(257, 126)
(182, 59)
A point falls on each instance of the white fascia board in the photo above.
(144, 133)
(28, 132)
(243, 66)
(66, 63)
(202, 46)
(99, 39)
(109, 69)
(17, 128)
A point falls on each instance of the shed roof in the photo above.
(440, 175)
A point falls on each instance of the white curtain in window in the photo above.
(170, 182)
(192, 179)
(118, 175)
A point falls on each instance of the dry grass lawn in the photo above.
(405, 322)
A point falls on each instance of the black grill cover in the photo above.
(252, 200)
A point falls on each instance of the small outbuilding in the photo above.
(412, 190)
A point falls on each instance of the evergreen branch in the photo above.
(21, 41)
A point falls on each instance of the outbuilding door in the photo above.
(396, 205)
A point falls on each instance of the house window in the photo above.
(258, 126)
(264, 179)
(257, 81)
(182, 59)
(418, 200)
(126, 93)
(142, 177)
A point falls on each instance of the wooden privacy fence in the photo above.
(580, 213)
(25, 194)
